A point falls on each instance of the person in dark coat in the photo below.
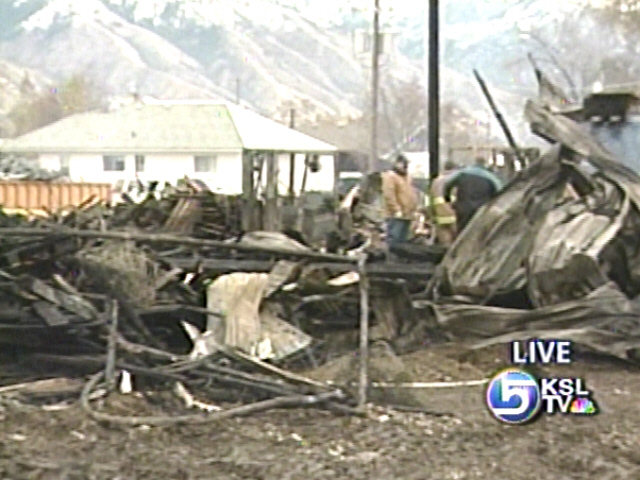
(475, 186)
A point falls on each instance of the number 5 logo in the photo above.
(513, 396)
(509, 388)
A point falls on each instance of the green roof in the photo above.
(166, 127)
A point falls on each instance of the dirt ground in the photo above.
(312, 444)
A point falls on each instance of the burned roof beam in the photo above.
(164, 238)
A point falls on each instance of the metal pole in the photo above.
(499, 117)
(434, 91)
(364, 332)
(238, 90)
(375, 56)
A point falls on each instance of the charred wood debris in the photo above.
(166, 294)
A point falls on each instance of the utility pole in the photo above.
(434, 91)
(373, 157)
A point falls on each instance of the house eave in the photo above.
(156, 151)
(116, 151)
(298, 151)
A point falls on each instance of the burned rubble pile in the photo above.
(166, 292)
(18, 168)
(189, 209)
(555, 255)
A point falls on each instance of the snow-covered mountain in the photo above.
(276, 54)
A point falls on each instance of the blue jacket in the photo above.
(474, 186)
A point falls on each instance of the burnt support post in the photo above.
(434, 90)
(248, 192)
(301, 198)
(272, 217)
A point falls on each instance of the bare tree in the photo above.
(405, 103)
(76, 95)
(623, 13)
(461, 129)
(26, 86)
(403, 117)
(402, 111)
(610, 56)
(35, 113)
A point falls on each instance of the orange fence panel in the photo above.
(39, 197)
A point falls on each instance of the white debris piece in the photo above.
(126, 384)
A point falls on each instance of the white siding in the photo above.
(321, 181)
(49, 162)
(162, 168)
(226, 179)
(88, 168)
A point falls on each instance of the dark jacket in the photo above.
(474, 186)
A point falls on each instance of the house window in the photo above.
(139, 163)
(113, 163)
(204, 164)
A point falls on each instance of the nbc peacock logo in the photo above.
(583, 406)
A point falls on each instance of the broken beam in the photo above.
(164, 238)
(223, 265)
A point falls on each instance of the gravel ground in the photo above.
(312, 444)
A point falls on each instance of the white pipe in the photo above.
(464, 383)
(467, 383)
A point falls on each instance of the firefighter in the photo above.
(475, 186)
(444, 216)
(400, 202)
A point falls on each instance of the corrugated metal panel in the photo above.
(36, 197)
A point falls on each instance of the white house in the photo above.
(166, 141)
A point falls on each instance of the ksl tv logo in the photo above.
(515, 396)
